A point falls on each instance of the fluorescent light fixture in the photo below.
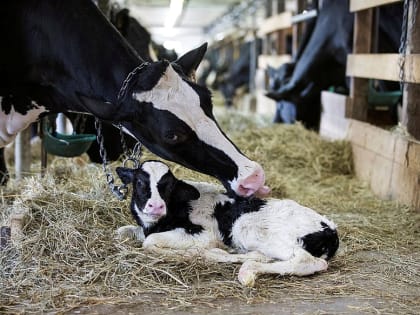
(172, 44)
(175, 10)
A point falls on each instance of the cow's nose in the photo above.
(156, 208)
(253, 184)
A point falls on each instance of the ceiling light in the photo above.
(175, 10)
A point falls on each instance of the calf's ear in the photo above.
(185, 192)
(190, 61)
(126, 174)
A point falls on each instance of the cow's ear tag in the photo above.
(190, 61)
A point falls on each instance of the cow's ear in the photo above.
(122, 19)
(184, 192)
(126, 174)
(190, 61)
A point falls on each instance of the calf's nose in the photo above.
(155, 208)
(253, 184)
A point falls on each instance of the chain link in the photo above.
(405, 29)
(403, 45)
(124, 86)
(119, 191)
(133, 157)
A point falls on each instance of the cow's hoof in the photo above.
(4, 178)
(321, 265)
(247, 274)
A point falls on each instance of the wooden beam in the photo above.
(358, 5)
(388, 161)
(333, 117)
(276, 23)
(274, 61)
(362, 43)
(23, 153)
(383, 67)
(411, 98)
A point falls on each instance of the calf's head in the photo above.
(173, 117)
(154, 188)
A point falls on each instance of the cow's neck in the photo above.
(73, 52)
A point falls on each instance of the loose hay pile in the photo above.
(68, 255)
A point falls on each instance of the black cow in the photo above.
(322, 62)
(141, 40)
(65, 56)
(237, 73)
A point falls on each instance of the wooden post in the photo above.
(23, 153)
(362, 42)
(297, 29)
(411, 98)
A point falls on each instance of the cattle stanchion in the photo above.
(23, 153)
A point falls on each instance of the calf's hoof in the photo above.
(130, 232)
(247, 274)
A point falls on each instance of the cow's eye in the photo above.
(174, 137)
(171, 136)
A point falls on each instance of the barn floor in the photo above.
(67, 260)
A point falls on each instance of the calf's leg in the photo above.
(130, 231)
(301, 264)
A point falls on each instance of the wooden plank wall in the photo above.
(388, 161)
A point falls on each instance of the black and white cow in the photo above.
(321, 61)
(62, 56)
(181, 217)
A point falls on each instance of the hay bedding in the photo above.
(68, 255)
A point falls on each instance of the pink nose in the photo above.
(253, 184)
(155, 208)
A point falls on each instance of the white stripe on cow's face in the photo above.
(173, 94)
(156, 170)
(14, 122)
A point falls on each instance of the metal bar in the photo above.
(298, 18)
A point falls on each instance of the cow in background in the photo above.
(238, 72)
(221, 72)
(322, 62)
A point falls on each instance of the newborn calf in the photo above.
(270, 236)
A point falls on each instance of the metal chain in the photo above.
(124, 86)
(405, 29)
(134, 156)
(119, 191)
(403, 45)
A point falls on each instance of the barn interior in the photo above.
(323, 94)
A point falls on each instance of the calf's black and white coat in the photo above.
(269, 236)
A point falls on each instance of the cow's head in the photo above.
(172, 116)
(154, 186)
